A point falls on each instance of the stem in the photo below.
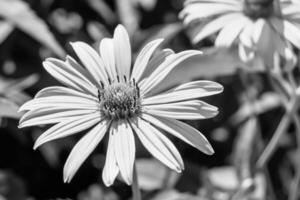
(291, 111)
(136, 193)
(293, 194)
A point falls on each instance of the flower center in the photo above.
(258, 8)
(119, 100)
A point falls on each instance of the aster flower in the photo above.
(260, 27)
(107, 97)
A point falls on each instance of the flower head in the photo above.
(260, 27)
(108, 97)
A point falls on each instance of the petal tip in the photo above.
(210, 150)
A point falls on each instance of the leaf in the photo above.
(5, 29)
(154, 175)
(8, 109)
(19, 14)
(223, 177)
(128, 15)
(147, 4)
(174, 195)
(166, 31)
(12, 89)
(103, 10)
(22, 83)
(265, 103)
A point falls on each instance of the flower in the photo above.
(108, 97)
(260, 27)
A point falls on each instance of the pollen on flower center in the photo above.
(258, 8)
(119, 100)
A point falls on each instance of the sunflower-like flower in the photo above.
(260, 27)
(108, 97)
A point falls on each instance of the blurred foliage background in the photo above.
(31, 31)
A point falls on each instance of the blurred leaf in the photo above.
(165, 31)
(12, 187)
(103, 10)
(8, 109)
(266, 102)
(66, 22)
(224, 178)
(5, 29)
(19, 14)
(50, 151)
(154, 175)
(22, 83)
(12, 95)
(96, 192)
(245, 149)
(174, 195)
(128, 15)
(13, 88)
(147, 4)
(97, 31)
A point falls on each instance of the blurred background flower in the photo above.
(260, 27)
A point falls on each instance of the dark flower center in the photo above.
(258, 8)
(119, 100)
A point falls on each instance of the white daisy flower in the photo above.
(260, 27)
(107, 97)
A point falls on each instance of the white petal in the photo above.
(122, 51)
(110, 170)
(190, 90)
(60, 71)
(164, 69)
(158, 144)
(246, 54)
(154, 62)
(83, 149)
(41, 117)
(230, 32)
(291, 11)
(67, 127)
(72, 62)
(182, 131)
(108, 57)
(215, 25)
(124, 148)
(71, 67)
(258, 29)
(58, 91)
(246, 35)
(287, 30)
(61, 101)
(193, 109)
(91, 60)
(198, 11)
(143, 58)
